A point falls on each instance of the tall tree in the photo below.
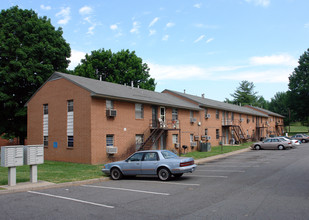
(299, 88)
(31, 49)
(280, 104)
(122, 67)
(245, 95)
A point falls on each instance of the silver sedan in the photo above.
(162, 163)
(272, 143)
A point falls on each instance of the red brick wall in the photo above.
(56, 94)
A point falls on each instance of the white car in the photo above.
(294, 142)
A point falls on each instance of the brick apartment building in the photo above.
(90, 121)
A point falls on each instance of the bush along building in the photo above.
(91, 121)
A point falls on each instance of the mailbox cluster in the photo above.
(13, 156)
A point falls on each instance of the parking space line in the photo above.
(183, 184)
(230, 171)
(209, 176)
(71, 199)
(124, 189)
(214, 165)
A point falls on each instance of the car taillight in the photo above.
(184, 164)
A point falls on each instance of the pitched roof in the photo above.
(266, 111)
(204, 102)
(115, 91)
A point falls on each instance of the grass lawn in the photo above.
(296, 128)
(56, 172)
(59, 172)
(217, 150)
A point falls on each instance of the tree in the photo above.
(31, 49)
(245, 95)
(280, 104)
(122, 67)
(299, 88)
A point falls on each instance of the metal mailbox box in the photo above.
(33, 154)
(12, 156)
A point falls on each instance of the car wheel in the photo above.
(164, 174)
(116, 174)
(280, 147)
(257, 147)
(178, 175)
(303, 141)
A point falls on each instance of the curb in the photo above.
(28, 186)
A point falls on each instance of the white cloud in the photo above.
(209, 40)
(153, 22)
(235, 73)
(65, 15)
(90, 30)
(281, 59)
(47, 8)
(197, 5)
(75, 58)
(136, 27)
(306, 25)
(152, 32)
(114, 27)
(170, 24)
(199, 39)
(86, 10)
(165, 37)
(206, 26)
(264, 3)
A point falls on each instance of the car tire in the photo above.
(257, 147)
(164, 174)
(303, 141)
(178, 175)
(281, 147)
(116, 174)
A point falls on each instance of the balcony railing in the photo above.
(169, 124)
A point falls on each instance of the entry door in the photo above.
(162, 113)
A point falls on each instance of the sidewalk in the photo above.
(27, 186)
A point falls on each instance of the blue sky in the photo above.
(201, 46)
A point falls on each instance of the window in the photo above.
(70, 105)
(151, 156)
(109, 104)
(175, 114)
(252, 118)
(139, 111)
(139, 140)
(45, 109)
(217, 114)
(175, 138)
(191, 137)
(70, 141)
(45, 141)
(110, 140)
(136, 157)
(232, 116)
(217, 134)
(206, 131)
(206, 112)
(191, 114)
(240, 117)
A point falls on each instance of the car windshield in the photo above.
(168, 154)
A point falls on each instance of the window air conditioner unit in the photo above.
(208, 137)
(192, 120)
(241, 120)
(111, 113)
(207, 116)
(111, 150)
(193, 144)
(176, 145)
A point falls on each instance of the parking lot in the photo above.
(255, 184)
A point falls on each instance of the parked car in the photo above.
(272, 143)
(301, 137)
(294, 141)
(162, 163)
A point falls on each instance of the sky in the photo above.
(203, 47)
